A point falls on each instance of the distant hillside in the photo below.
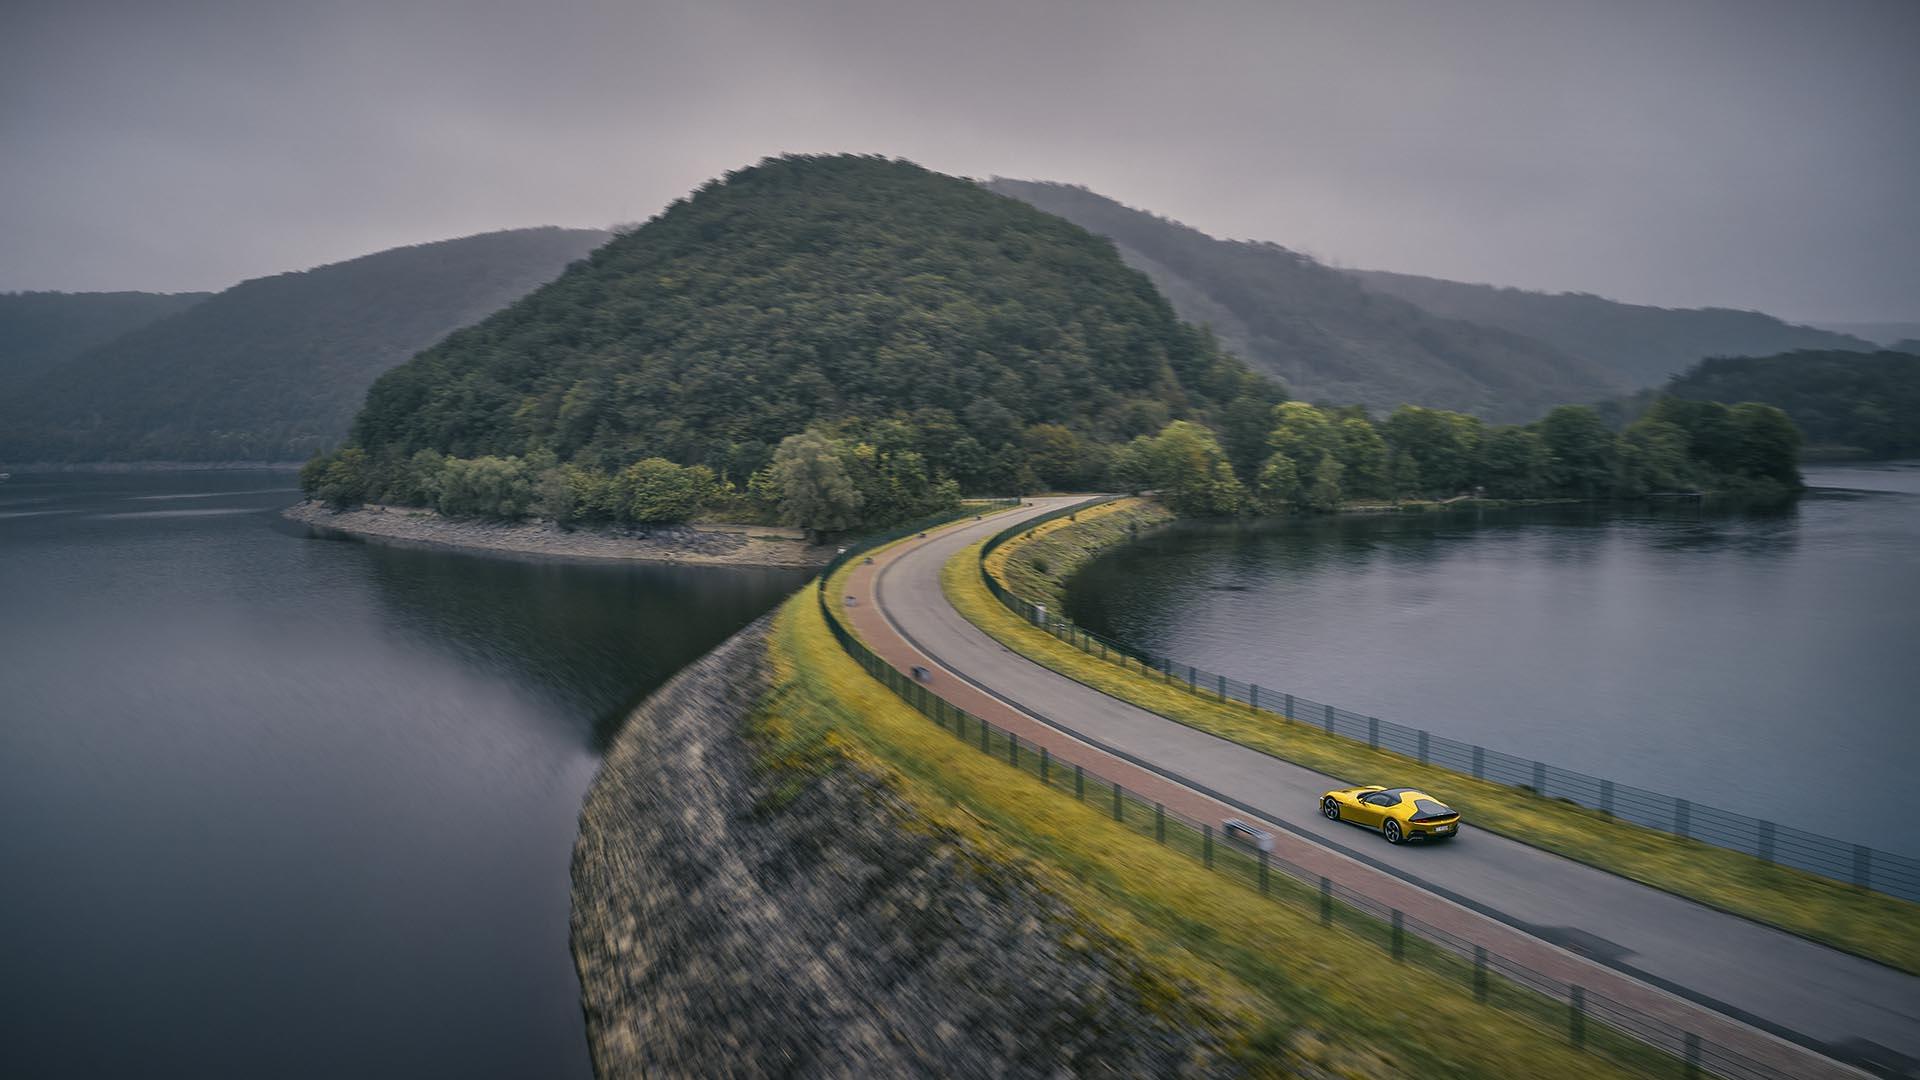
(1319, 330)
(274, 368)
(807, 290)
(1866, 402)
(1637, 345)
(41, 330)
(1890, 334)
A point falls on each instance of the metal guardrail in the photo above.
(1770, 842)
(1592, 1022)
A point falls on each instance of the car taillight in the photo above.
(1440, 817)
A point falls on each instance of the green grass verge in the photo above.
(1282, 990)
(1867, 923)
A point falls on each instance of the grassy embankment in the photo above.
(1289, 996)
(1868, 923)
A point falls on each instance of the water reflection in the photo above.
(282, 807)
(1677, 647)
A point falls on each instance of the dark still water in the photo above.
(281, 806)
(1766, 663)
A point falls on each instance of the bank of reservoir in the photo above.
(1756, 660)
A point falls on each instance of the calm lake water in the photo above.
(282, 806)
(1763, 662)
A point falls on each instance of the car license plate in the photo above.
(1444, 828)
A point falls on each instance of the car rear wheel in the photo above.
(1391, 830)
(1330, 808)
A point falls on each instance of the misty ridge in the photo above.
(275, 368)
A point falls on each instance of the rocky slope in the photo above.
(732, 917)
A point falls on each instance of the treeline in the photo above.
(818, 290)
(821, 480)
(1864, 404)
(1319, 459)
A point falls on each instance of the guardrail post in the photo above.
(1480, 973)
(1373, 732)
(1046, 763)
(1223, 689)
(986, 736)
(1539, 778)
(1766, 841)
(1013, 749)
(1577, 1019)
(1423, 746)
(1862, 865)
(1606, 797)
(1329, 718)
(1253, 697)
(1166, 667)
(1288, 713)
(1206, 845)
(1479, 763)
(1326, 902)
(1116, 803)
(1263, 873)
(1190, 679)
(960, 725)
(1160, 822)
(1079, 782)
(1399, 935)
(1682, 817)
(1691, 1057)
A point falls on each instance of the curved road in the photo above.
(1483, 885)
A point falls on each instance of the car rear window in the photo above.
(1429, 808)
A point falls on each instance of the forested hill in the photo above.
(274, 368)
(1863, 403)
(1638, 345)
(1319, 330)
(41, 330)
(974, 331)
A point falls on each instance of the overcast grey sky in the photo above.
(1741, 152)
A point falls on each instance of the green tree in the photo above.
(1055, 455)
(816, 493)
(1279, 486)
(1363, 454)
(655, 491)
(1515, 463)
(1653, 457)
(1766, 444)
(1437, 447)
(1305, 434)
(1325, 494)
(1582, 450)
(1187, 464)
(485, 486)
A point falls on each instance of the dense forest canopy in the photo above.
(274, 368)
(42, 330)
(1855, 403)
(1637, 345)
(1319, 331)
(919, 312)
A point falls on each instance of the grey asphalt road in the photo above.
(1856, 1009)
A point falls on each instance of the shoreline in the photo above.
(686, 545)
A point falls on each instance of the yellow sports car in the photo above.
(1399, 813)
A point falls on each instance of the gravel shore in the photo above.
(722, 545)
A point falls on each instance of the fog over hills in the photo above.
(41, 330)
(1322, 333)
(1636, 344)
(274, 368)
